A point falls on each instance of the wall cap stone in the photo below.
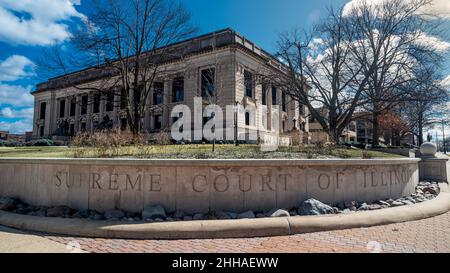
(210, 162)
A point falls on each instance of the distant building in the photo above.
(28, 136)
(6, 135)
(318, 135)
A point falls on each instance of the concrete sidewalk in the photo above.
(15, 241)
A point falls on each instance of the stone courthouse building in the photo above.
(232, 61)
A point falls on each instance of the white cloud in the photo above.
(17, 127)
(36, 22)
(15, 95)
(437, 7)
(446, 84)
(432, 42)
(16, 67)
(9, 112)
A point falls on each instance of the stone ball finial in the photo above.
(428, 149)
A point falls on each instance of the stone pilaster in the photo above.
(167, 101)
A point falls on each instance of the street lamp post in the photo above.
(443, 136)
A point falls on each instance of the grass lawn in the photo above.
(190, 151)
(34, 152)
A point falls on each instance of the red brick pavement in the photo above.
(428, 235)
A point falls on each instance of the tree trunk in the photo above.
(375, 133)
(420, 122)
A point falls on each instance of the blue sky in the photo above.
(29, 26)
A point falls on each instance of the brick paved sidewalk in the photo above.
(428, 235)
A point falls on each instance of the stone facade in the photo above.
(61, 108)
(201, 186)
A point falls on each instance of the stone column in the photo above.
(432, 167)
(115, 114)
(53, 113)
(167, 101)
(102, 107)
(89, 112)
(35, 119)
(67, 108)
(269, 107)
(77, 113)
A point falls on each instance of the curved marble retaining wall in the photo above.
(203, 185)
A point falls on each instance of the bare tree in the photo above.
(389, 35)
(322, 72)
(426, 100)
(124, 45)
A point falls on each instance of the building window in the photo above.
(62, 108)
(178, 90)
(83, 126)
(123, 124)
(96, 104)
(301, 110)
(248, 83)
(41, 131)
(110, 101)
(274, 96)
(123, 99)
(72, 129)
(43, 109)
(73, 107)
(283, 102)
(247, 118)
(158, 122)
(158, 93)
(207, 82)
(264, 95)
(84, 105)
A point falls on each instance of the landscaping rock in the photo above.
(431, 190)
(314, 207)
(341, 206)
(178, 214)
(59, 211)
(7, 207)
(8, 203)
(374, 207)
(222, 215)
(81, 214)
(384, 203)
(293, 212)
(280, 213)
(153, 212)
(198, 216)
(396, 204)
(363, 207)
(114, 214)
(232, 215)
(246, 215)
(350, 204)
(260, 215)
(407, 202)
(96, 217)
